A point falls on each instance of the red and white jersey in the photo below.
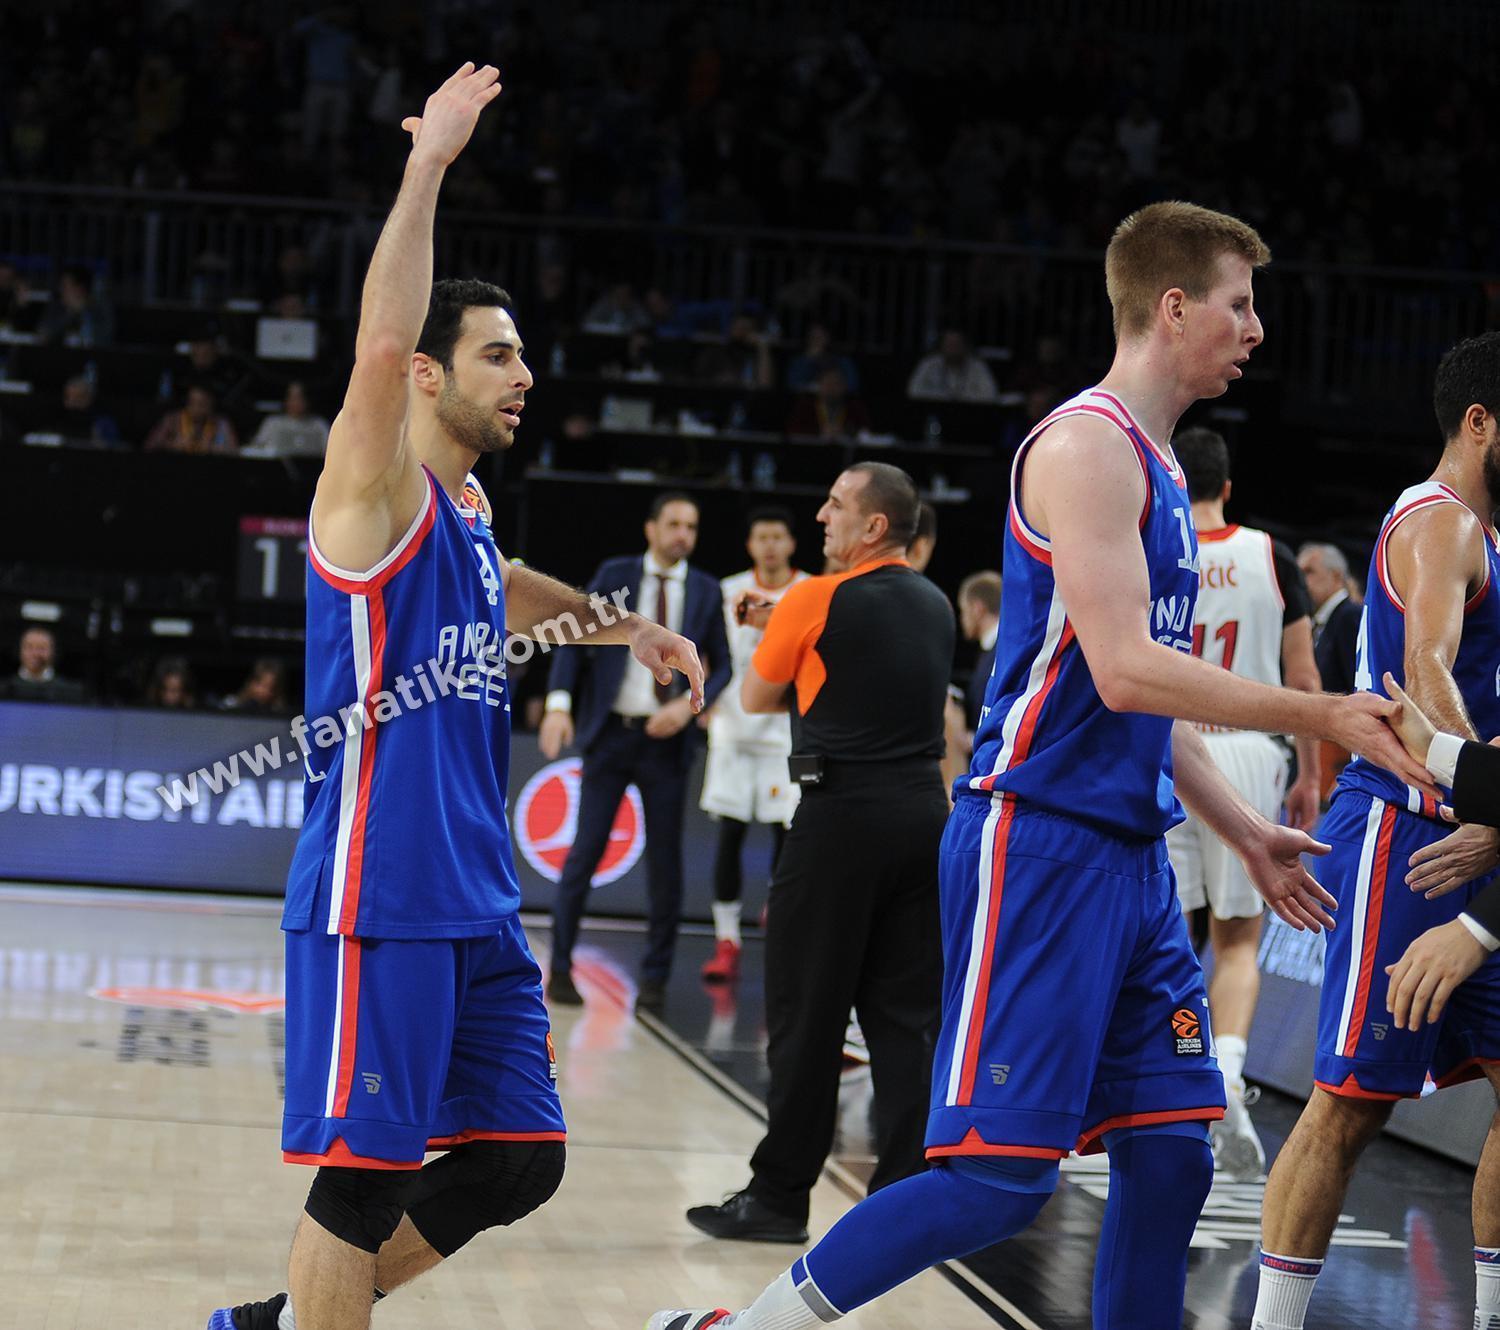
(730, 723)
(1241, 608)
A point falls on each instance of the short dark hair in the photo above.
(889, 490)
(926, 522)
(1205, 459)
(1468, 373)
(666, 497)
(770, 513)
(445, 313)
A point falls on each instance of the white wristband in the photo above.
(559, 699)
(1482, 935)
(1442, 757)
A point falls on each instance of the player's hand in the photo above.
(451, 113)
(1302, 803)
(674, 717)
(661, 652)
(1273, 860)
(753, 610)
(1467, 853)
(555, 734)
(1362, 723)
(1425, 977)
(1410, 723)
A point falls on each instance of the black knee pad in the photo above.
(480, 1185)
(361, 1206)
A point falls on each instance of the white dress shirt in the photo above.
(637, 695)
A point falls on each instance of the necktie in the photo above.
(663, 690)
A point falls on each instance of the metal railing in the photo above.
(1366, 336)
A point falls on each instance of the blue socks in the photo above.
(949, 1211)
(1159, 1179)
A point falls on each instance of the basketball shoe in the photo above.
(724, 965)
(249, 1315)
(681, 1320)
(1237, 1147)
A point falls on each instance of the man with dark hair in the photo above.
(862, 659)
(634, 730)
(924, 539)
(1251, 617)
(1432, 625)
(405, 959)
(745, 779)
(36, 678)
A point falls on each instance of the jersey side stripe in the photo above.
(348, 1023)
(1377, 830)
(354, 741)
(1020, 721)
(355, 878)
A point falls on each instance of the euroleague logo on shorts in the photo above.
(546, 820)
(1187, 1027)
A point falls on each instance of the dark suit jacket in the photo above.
(1476, 798)
(593, 674)
(1336, 648)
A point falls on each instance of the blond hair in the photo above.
(1171, 244)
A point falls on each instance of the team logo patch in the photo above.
(546, 819)
(551, 1057)
(1187, 1028)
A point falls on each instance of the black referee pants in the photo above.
(852, 922)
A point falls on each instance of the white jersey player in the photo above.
(746, 777)
(1253, 618)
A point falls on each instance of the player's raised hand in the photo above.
(1273, 861)
(661, 652)
(451, 113)
(1364, 724)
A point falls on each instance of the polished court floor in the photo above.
(140, 1065)
(141, 1174)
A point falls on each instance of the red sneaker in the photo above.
(724, 964)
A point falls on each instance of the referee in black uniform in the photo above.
(861, 658)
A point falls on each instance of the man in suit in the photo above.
(633, 730)
(979, 621)
(1335, 614)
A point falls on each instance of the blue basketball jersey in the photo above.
(404, 832)
(1045, 735)
(1382, 646)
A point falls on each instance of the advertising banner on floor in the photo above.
(180, 799)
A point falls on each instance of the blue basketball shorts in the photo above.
(1073, 1003)
(397, 1047)
(1360, 1053)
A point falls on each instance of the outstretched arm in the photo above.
(371, 485)
(1082, 487)
(1272, 855)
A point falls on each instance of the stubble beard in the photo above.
(468, 424)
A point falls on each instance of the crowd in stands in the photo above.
(1015, 133)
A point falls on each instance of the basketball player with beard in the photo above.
(1432, 623)
(414, 1017)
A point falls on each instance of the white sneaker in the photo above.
(1237, 1148)
(855, 1048)
(686, 1320)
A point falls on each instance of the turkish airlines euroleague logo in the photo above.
(547, 818)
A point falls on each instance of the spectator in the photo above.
(37, 680)
(979, 622)
(13, 298)
(749, 350)
(1138, 136)
(830, 412)
(80, 420)
(952, 373)
(816, 356)
(197, 427)
(293, 432)
(1336, 617)
(172, 687)
(293, 275)
(76, 316)
(617, 311)
(216, 369)
(264, 691)
(637, 365)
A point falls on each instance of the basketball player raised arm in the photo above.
(372, 486)
(1436, 562)
(1100, 568)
